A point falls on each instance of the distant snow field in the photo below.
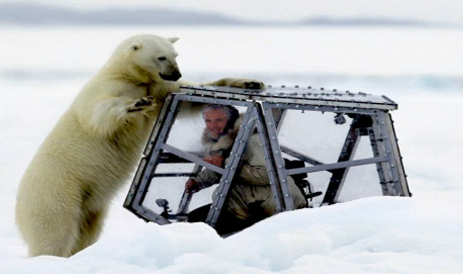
(42, 69)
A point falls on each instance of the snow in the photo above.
(41, 70)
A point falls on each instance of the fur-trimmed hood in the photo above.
(253, 153)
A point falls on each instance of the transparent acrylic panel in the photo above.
(186, 135)
(364, 149)
(168, 188)
(172, 189)
(186, 130)
(361, 182)
(317, 136)
(314, 134)
(319, 182)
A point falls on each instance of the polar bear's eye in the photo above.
(162, 58)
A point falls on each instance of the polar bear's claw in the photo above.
(254, 85)
(142, 104)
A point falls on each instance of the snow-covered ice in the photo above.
(42, 69)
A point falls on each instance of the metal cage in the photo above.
(264, 115)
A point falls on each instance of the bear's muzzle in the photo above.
(174, 76)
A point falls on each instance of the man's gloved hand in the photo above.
(192, 186)
(215, 160)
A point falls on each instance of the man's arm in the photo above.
(207, 177)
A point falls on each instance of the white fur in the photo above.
(65, 192)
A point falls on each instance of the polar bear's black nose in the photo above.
(174, 76)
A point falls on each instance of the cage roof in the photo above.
(297, 95)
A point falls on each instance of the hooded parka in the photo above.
(250, 188)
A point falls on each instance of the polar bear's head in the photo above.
(148, 58)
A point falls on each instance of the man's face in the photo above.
(216, 121)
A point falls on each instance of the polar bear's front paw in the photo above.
(245, 83)
(253, 84)
(240, 83)
(141, 104)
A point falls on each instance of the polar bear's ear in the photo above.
(135, 46)
(173, 39)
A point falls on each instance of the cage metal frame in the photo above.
(265, 111)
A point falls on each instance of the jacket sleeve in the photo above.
(207, 178)
(254, 175)
(254, 168)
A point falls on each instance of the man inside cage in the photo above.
(250, 197)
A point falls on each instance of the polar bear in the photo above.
(66, 190)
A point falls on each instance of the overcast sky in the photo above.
(441, 11)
